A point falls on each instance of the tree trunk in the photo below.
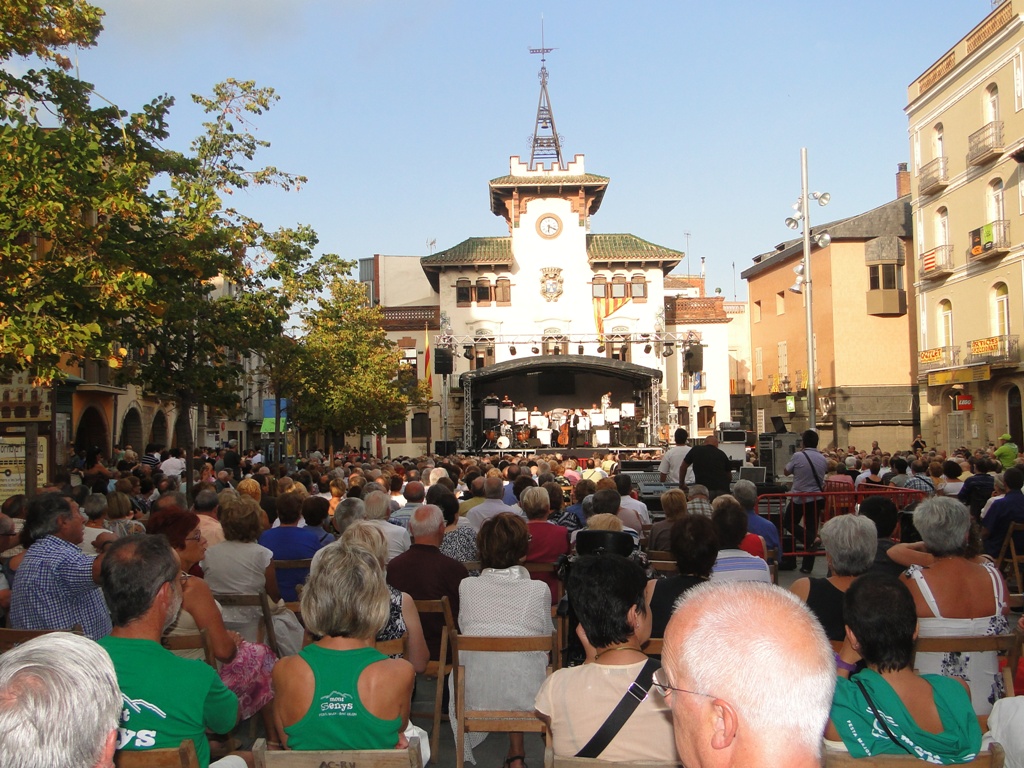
(278, 448)
(185, 404)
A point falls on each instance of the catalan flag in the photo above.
(604, 307)
(426, 357)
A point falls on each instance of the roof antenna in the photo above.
(546, 143)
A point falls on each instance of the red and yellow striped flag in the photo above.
(604, 307)
(426, 357)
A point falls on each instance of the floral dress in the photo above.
(395, 627)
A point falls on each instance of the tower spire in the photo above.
(546, 143)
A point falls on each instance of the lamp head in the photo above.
(792, 223)
(823, 240)
(822, 198)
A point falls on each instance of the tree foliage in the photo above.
(347, 366)
(73, 193)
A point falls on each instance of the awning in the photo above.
(267, 428)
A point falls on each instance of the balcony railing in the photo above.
(933, 176)
(937, 358)
(935, 263)
(990, 241)
(985, 144)
(994, 350)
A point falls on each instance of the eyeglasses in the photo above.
(661, 685)
(197, 536)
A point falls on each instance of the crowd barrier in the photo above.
(786, 511)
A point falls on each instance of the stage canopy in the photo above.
(639, 375)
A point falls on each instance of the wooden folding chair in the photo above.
(1009, 554)
(668, 567)
(653, 646)
(660, 554)
(993, 758)
(349, 758)
(195, 641)
(395, 647)
(471, 566)
(183, 756)
(1009, 644)
(560, 622)
(261, 600)
(552, 761)
(502, 720)
(9, 638)
(437, 670)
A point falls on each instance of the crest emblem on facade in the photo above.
(551, 283)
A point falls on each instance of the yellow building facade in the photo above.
(966, 127)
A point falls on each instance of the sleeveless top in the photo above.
(337, 718)
(395, 626)
(826, 602)
(979, 669)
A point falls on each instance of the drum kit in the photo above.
(507, 436)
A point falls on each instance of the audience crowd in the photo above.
(136, 561)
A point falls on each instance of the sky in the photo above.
(399, 112)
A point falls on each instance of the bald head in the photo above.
(782, 715)
(414, 492)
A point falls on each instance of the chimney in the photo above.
(902, 180)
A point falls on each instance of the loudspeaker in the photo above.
(443, 362)
(694, 358)
(533, 442)
(445, 447)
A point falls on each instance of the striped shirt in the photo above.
(737, 565)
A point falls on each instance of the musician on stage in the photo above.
(574, 428)
(606, 401)
(583, 426)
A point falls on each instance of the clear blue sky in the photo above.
(399, 112)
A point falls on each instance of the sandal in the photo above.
(510, 760)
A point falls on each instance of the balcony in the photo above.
(887, 301)
(938, 262)
(933, 176)
(986, 144)
(995, 350)
(990, 241)
(937, 358)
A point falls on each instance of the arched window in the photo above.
(992, 103)
(555, 342)
(638, 288)
(937, 141)
(484, 291)
(599, 285)
(503, 292)
(945, 323)
(994, 200)
(941, 227)
(1001, 309)
(463, 292)
(619, 290)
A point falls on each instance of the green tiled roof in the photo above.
(548, 181)
(475, 250)
(624, 247)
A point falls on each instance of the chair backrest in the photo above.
(443, 607)
(552, 761)
(1012, 554)
(654, 646)
(993, 758)
(590, 542)
(262, 601)
(195, 641)
(9, 638)
(461, 643)
(660, 554)
(394, 647)
(349, 758)
(665, 566)
(183, 756)
(304, 563)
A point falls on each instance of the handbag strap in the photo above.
(814, 471)
(881, 720)
(635, 694)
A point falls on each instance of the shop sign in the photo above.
(963, 403)
(960, 376)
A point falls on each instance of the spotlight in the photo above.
(792, 223)
(823, 240)
(580, 349)
(535, 350)
(821, 197)
(647, 349)
(623, 351)
(467, 352)
(669, 349)
(600, 349)
(557, 350)
(512, 350)
(798, 286)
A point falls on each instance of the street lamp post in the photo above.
(803, 277)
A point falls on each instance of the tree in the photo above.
(347, 366)
(73, 181)
(223, 286)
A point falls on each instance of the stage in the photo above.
(587, 452)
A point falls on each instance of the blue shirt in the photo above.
(1009, 509)
(290, 543)
(54, 589)
(762, 527)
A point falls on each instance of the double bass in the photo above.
(563, 434)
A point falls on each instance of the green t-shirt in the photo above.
(1007, 454)
(166, 699)
(959, 741)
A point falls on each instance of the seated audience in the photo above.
(694, 546)
(673, 504)
(881, 511)
(956, 596)
(290, 542)
(340, 692)
(548, 542)
(850, 543)
(607, 595)
(732, 563)
(887, 708)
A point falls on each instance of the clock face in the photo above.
(549, 225)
